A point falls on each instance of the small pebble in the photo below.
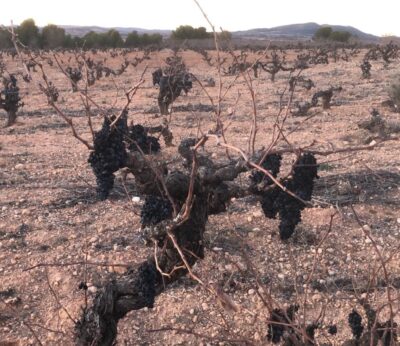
(366, 228)
(135, 199)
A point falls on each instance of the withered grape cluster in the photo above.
(109, 154)
(385, 332)
(332, 329)
(281, 327)
(355, 323)
(138, 137)
(146, 282)
(155, 209)
(272, 163)
(279, 322)
(11, 98)
(275, 200)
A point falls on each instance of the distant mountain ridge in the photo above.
(304, 31)
(80, 31)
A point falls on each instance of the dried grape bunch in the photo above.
(387, 332)
(310, 330)
(137, 137)
(332, 329)
(109, 154)
(279, 323)
(271, 163)
(155, 209)
(275, 200)
(10, 99)
(146, 282)
(355, 323)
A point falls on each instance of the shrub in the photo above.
(136, 40)
(184, 32)
(340, 36)
(28, 33)
(323, 33)
(326, 33)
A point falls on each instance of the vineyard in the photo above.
(192, 197)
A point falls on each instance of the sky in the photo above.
(371, 16)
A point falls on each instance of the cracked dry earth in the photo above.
(49, 213)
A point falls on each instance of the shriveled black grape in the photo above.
(268, 204)
(83, 286)
(387, 332)
(275, 331)
(155, 209)
(217, 198)
(310, 330)
(138, 137)
(332, 329)
(355, 321)
(146, 283)
(275, 200)
(281, 319)
(109, 154)
(10, 98)
(271, 163)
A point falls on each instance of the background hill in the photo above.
(82, 30)
(303, 31)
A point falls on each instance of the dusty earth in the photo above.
(49, 212)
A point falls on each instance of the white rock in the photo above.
(92, 289)
(366, 228)
(135, 199)
(258, 213)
